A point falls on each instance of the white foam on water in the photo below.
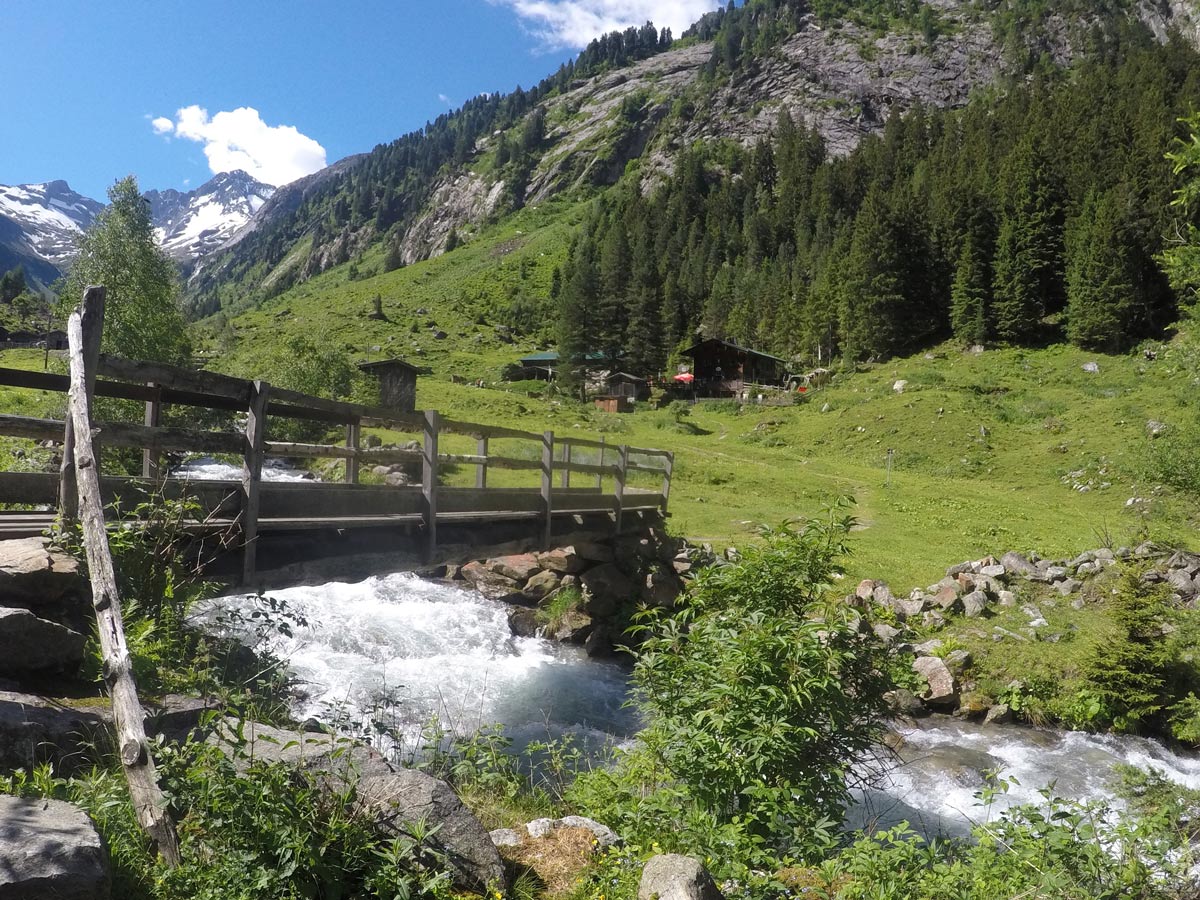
(205, 468)
(400, 651)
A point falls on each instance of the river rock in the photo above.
(606, 588)
(661, 590)
(333, 755)
(541, 585)
(670, 876)
(563, 560)
(1000, 714)
(572, 627)
(398, 800)
(997, 570)
(34, 730)
(973, 703)
(943, 689)
(593, 551)
(34, 574)
(491, 584)
(523, 621)
(904, 702)
(519, 567)
(1067, 586)
(50, 849)
(957, 661)
(32, 645)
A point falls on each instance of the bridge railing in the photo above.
(252, 503)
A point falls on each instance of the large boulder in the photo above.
(35, 730)
(572, 627)
(661, 589)
(327, 754)
(50, 849)
(541, 585)
(563, 560)
(34, 574)
(519, 567)
(670, 876)
(943, 689)
(399, 800)
(32, 645)
(1016, 564)
(606, 587)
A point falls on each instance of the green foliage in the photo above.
(1100, 291)
(142, 316)
(1181, 258)
(758, 695)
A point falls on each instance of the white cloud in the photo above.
(240, 139)
(573, 23)
(445, 99)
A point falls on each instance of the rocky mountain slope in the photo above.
(844, 78)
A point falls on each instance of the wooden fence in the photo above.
(253, 505)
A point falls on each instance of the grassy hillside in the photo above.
(1008, 449)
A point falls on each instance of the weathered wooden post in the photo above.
(92, 328)
(622, 473)
(429, 480)
(668, 470)
(600, 462)
(83, 330)
(256, 435)
(565, 478)
(481, 449)
(547, 486)
(353, 434)
(153, 418)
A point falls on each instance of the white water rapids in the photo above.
(399, 651)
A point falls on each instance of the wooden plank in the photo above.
(582, 442)
(152, 419)
(565, 478)
(600, 464)
(176, 377)
(429, 480)
(132, 747)
(643, 451)
(256, 427)
(30, 427)
(127, 434)
(353, 433)
(547, 486)
(666, 483)
(300, 405)
(49, 381)
(461, 500)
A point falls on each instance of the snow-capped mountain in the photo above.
(49, 216)
(193, 224)
(40, 222)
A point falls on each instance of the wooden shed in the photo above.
(725, 369)
(614, 403)
(622, 384)
(397, 383)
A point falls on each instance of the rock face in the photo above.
(32, 645)
(32, 574)
(943, 690)
(50, 849)
(670, 876)
(334, 754)
(398, 800)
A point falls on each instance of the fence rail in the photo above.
(253, 504)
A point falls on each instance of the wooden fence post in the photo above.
(353, 433)
(256, 435)
(481, 449)
(668, 471)
(92, 328)
(565, 479)
(429, 480)
(153, 418)
(622, 472)
(600, 462)
(148, 802)
(547, 486)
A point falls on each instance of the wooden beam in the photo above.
(127, 434)
(493, 431)
(256, 430)
(30, 427)
(666, 483)
(91, 324)
(177, 377)
(353, 433)
(547, 486)
(622, 468)
(149, 805)
(429, 480)
(152, 419)
(600, 464)
(565, 479)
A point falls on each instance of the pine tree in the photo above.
(969, 298)
(1100, 290)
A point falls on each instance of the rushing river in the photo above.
(205, 468)
(397, 652)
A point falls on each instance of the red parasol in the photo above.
(685, 377)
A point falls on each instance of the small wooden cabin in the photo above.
(397, 383)
(614, 403)
(622, 384)
(725, 369)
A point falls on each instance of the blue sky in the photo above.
(171, 91)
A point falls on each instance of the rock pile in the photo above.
(975, 589)
(43, 612)
(645, 570)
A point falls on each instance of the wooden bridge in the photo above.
(255, 510)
